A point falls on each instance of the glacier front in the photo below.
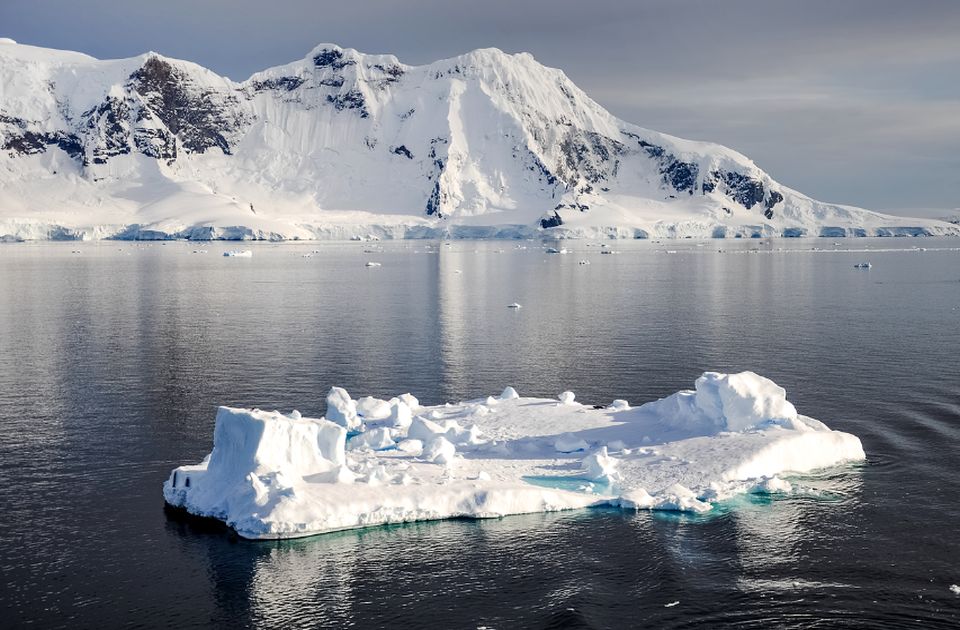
(371, 461)
(342, 144)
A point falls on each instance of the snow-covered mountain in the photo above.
(341, 144)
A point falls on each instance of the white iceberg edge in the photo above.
(372, 462)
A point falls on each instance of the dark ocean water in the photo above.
(113, 360)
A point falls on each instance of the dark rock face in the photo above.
(438, 162)
(191, 115)
(280, 84)
(743, 189)
(108, 128)
(682, 176)
(587, 156)
(162, 112)
(390, 74)
(433, 201)
(25, 143)
(551, 220)
(437, 195)
(331, 59)
(334, 81)
(679, 175)
(402, 150)
(774, 199)
(352, 99)
(155, 143)
(20, 140)
(543, 173)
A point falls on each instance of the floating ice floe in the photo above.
(554, 250)
(373, 264)
(373, 461)
(863, 265)
(238, 253)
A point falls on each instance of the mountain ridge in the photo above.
(341, 144)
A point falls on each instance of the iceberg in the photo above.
(272, 475)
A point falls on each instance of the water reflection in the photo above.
(111, 366)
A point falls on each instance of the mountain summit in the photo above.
(341, 144)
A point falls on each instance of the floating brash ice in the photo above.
(373, 461)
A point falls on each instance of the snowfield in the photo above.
(341, 144)
(371, 461)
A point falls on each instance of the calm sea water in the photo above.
(113, 360)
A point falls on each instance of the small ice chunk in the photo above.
(411, 447)
(671, 604)
(423, 429)
(637, 499)
(773, 485)
(619, 405)
(742, 401)
(340, 474)
(238, 253)
(400, 414)
(491, 401)
(566, 398)
(410, 400)
(463, 435)
(295, 415)
(509, 393)
(483, 476)
(600, 466)
(680, 498)
(514, 305)
(370, 263)
(374, 439)
(570, 443)
(373, 408)
(955, 589)
(342, 409)
(439, 451)
(379, 476)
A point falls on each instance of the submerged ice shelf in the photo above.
(372, 461)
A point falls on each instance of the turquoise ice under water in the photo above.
(574, 484)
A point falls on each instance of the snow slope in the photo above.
(371, 461)
(340, 144)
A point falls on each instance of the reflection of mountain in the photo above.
(342, 143)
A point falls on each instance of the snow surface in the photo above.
(275, 475)
(344, 145)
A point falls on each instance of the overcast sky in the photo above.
(849, 101)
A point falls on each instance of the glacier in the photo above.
(369, 462)
(342, 145)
